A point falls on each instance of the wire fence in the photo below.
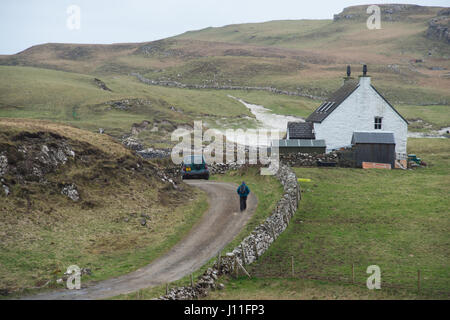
(423, 281)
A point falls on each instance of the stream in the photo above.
(276, 124)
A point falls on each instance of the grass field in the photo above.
(398, 220)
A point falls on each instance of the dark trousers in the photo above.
(243, 201)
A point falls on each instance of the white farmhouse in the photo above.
(357, 107)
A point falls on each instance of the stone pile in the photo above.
(252, 246)
(151, 153)
(71, 192)
(132, 143)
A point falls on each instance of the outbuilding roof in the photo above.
(301, 130)
(299, 143)
(373, 137)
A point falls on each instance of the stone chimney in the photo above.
(364, 79)
(348, 77)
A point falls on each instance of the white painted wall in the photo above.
(357, 113)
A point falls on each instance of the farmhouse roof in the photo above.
(301, 130)
(339, 96)
(373, 137)
(333, 101)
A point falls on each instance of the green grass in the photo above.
(398, 220)
(303, 289)
(437, 116)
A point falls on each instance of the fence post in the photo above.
(218, 260)
(235, 267)
(353, 273)
(292, 265)
(418, 280)
(192, 280)
(167, 288)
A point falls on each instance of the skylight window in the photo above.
(324, 105)
(328, 107)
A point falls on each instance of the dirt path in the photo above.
(219, 225)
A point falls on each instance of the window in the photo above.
(378, 122)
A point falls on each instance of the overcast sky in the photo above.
(24, 23)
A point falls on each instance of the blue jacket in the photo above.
(245, 193)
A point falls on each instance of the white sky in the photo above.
(24, 23)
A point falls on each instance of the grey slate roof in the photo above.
(337, 98)
(333, 101)
(299, 143)
(301, 130)
(373, 137)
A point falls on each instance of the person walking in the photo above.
(243, 191)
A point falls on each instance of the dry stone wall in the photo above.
(252, 246)
(176, 84)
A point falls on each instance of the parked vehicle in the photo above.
(195, 167)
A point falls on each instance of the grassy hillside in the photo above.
(42, 231)
(306, 55)
(397, 220)
(75, 99)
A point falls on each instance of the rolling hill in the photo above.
(407, 63)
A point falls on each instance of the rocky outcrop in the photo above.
(389, 12)
(438, 27)
(132, 143)
(99, 83)
(129, 104)
(3, 165)
(152, 153)
(252, 246)
(36, 155)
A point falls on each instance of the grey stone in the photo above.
(71, 192)
(3, 165)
